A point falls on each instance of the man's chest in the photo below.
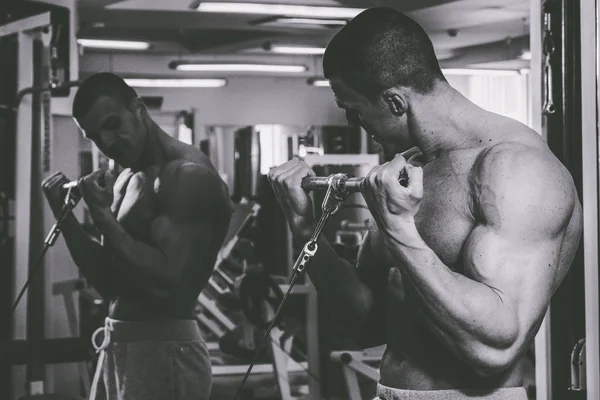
(445, 218)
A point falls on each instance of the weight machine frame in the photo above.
(28, 343)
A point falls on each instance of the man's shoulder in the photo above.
(522, 176)
(512, 158)
(193, 180)
(190, 171)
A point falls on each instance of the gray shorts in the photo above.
(388, 393)
(156, 360)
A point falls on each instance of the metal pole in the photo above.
(35, 298)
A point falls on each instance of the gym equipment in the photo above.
(354, 211)
(548, 49)
(331, 204)
(347, 243)
(359, 362)
(58, 46)
(340, 182)
(241, 341)
(247, 163)
(40, 32)
(255, 286)
(67, 289)
(241, 221)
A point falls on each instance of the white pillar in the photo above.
(589, 127)
(543, 370)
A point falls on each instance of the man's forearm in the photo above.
(135, 260)
(89, 256)
(338, 285)
(467, 315)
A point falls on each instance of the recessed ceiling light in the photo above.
(288, 49)
(318, 82)
(321, 82)
(280, 9)
(176, 83)
(235, 67)
(300, 22)
(313, 21)
(525, 55)
(474, 71)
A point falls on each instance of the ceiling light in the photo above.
(306, 21)
(279, 9)
(313, 21)
(297, 50)
(319, 82)
(113, 44)
(473, 71)
(199, 67)
(525, 55)
(176, 83)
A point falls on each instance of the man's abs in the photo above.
(129, 307)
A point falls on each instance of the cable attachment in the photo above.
(336, 193)
(548, 49)
(334, 197)
(71, 200)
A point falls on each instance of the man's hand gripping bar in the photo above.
(341, 183)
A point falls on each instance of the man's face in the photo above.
(376, 117)
(117, 130)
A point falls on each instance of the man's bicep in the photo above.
(520, 273)
(197, 211)
(524, 203)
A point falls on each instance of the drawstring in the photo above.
(107, 328)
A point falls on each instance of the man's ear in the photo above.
(396, 101)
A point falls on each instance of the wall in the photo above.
(259, 100)
(255, 100)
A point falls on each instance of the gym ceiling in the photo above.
(465, 33)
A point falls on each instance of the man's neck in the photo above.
(445, 122)
(154, 149)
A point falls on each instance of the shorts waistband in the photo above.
(513, 393)
(138, 331)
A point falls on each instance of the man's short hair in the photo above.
(381, 48)
(99, 85)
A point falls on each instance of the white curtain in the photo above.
(504, 94)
